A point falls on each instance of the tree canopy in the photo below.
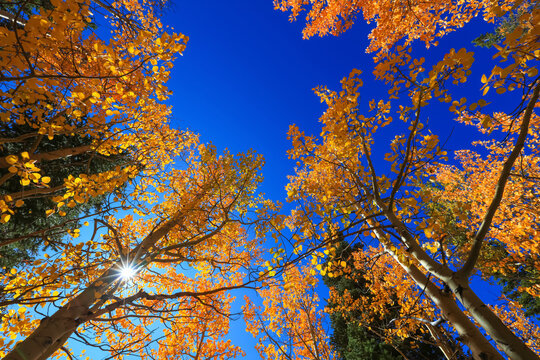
(125, 234)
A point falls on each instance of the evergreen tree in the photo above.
(504, 26)
(30, 227)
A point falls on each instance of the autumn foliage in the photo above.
(60, 80)
(143, 253)
(290, 326)
(179, 213)
(428, 224)
(395, 21)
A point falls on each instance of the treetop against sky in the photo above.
(131, 179)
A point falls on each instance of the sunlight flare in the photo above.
(127, 272)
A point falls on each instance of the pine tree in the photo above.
(30, 227)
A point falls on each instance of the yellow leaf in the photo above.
(49, 212)
(46, 179)
(25, 155)
(19, 203)
(25, 182)
(11, 159)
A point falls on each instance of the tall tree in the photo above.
(130, 275)
(160, 268)
(70, 103)
(290, 325)
(340, 189)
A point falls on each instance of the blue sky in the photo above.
(247, 75)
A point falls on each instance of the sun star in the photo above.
(127, 272)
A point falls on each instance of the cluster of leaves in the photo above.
(290, 326)
(395, 20)
(512, 246)
(355, 340)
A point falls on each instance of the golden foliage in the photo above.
(341, 191)
(290, 324)
(394, 20)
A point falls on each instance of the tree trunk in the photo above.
(506, 340)
(441, 343)
(53, 332)
(469, 334)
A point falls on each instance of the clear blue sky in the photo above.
(246, 75)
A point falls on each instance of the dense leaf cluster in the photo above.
(354, 341)
(30, 227)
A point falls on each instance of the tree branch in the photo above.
(474, 254)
